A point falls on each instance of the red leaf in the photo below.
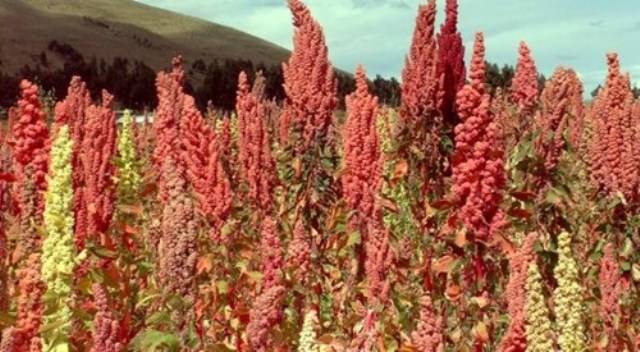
(7, 177)
(131, 230)
(388, 204)
(149, 188)
(480, 333)
(504, 244)
(442, 204)
(400, 170)
(524, 195)
(461, 238)
(443, 264)
(203, 265)
(113, 274)
(242, 313)
(520, 213)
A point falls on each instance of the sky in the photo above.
(377, 33)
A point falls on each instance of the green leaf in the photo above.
(223, 286)
(354, 239)
(54, 325)
(242, 265)
(105, 253)
(151, 340)
(96, 276)
(255, 275)
(7, 319)
(635, 272)
(553, 196)
(627, 249)
(146, 299)
(158, 317)
(220, 347)
(227, 229)
(59, 344)
(626, 266)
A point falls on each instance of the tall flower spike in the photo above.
(569, 306)
(362, 176)
(58, 251)
(106, 327)
(98, 148)
(610, 291)
(71, 112)
(596, 143)
(5, 202)
(419, 82)
(612, 161)
(630, 165)
(10, 340)
(307, 341)
(514, 339)
(258, 90)
(505, 120)
(226, 134)
(451, 69)
(576, 109)
(30, 142)
(145, 139)
(178, 251)
(257, 164)
(309, 82)
(29, 303)
(367, 338)
(29, 287)
(178, 247)
(538, 326)
(553, 118)
(421, 95)
(478, 165)
(166, 122)
(202, 156)
(606, 140)
(428, 335)
(379, 261)
(299, 253)
(265, 314)
(127, 161)
(524, 87)
(271, 253)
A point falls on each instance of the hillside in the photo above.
(121, 28)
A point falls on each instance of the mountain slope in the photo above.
(124, 28)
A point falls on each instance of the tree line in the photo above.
(133, 82)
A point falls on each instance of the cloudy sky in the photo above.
(377, 33)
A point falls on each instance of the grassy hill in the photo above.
(121, 28)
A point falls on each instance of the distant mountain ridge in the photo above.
(106, 29)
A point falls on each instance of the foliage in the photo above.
(306, 228)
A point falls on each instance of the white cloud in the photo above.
(377, 33)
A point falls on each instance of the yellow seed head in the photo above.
(538, 326)
(307, 341)
(129, 179)
(58, 248)
(568, 300)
